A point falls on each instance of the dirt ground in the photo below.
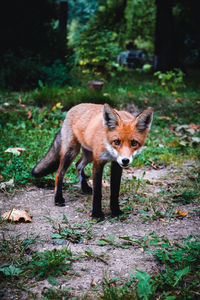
(116, 261)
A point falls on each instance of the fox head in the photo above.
(126, 134)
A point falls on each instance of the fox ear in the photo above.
(144, 119)
(111, 118)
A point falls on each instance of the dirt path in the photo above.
(114, 260)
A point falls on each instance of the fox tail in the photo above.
(50, 162)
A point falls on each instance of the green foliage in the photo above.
(99, 41)
(58, 294)
(111, 291)
(140, 22)
(73, 233)
(67, 97)
(49, 263)
(97, 50)
(171, 80)
(57, 74)
(25, 70)
(181, 273)
(177, 277)
(144, 289)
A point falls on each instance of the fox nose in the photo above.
(125, 161)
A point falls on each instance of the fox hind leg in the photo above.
(66, 158)
(85, 159)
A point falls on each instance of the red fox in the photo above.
(103, 134)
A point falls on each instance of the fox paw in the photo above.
(60, 202)
(98, 215)
(86, 189)
(116, 213)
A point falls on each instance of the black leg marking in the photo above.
(116, 173)
(97, 186)
(64, 165)
(81, 164)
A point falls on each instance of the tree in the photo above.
(164, 37)
(63, 16)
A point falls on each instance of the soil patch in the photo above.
(111, 259)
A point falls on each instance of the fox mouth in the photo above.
(124, 166)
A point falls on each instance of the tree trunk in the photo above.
(63, 15)
(164, 37)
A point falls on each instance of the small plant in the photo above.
(111, 241)
(171, 80)
(185, 197)
(90, 254)
(49, 263)
(113, 291)
(74, 234)
(60, 294)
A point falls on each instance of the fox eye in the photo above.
(134, 143)
(117, 142)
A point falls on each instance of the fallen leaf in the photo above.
(157, 166)
(195, 140)
(174, 144)
(178, 100)
(164, 118)
(57, 105)
(29, 113)
(181, 213)
(163, 220)
(16, 215)
(93, 283)
(130, 94)
(15, 150)
(9, 183)
(20, 102)
(194, 126)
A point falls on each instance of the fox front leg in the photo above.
(115, 180)
(97, 187)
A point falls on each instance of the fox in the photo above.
(102, 134)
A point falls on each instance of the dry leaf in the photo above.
(29, 113)
(93, 283)
(7, 184)
(178, 100)
(194, 126)
(181, 213)
(16, 215)
(15, 150)
(164, 118)
(20, 102)
(174, 144)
